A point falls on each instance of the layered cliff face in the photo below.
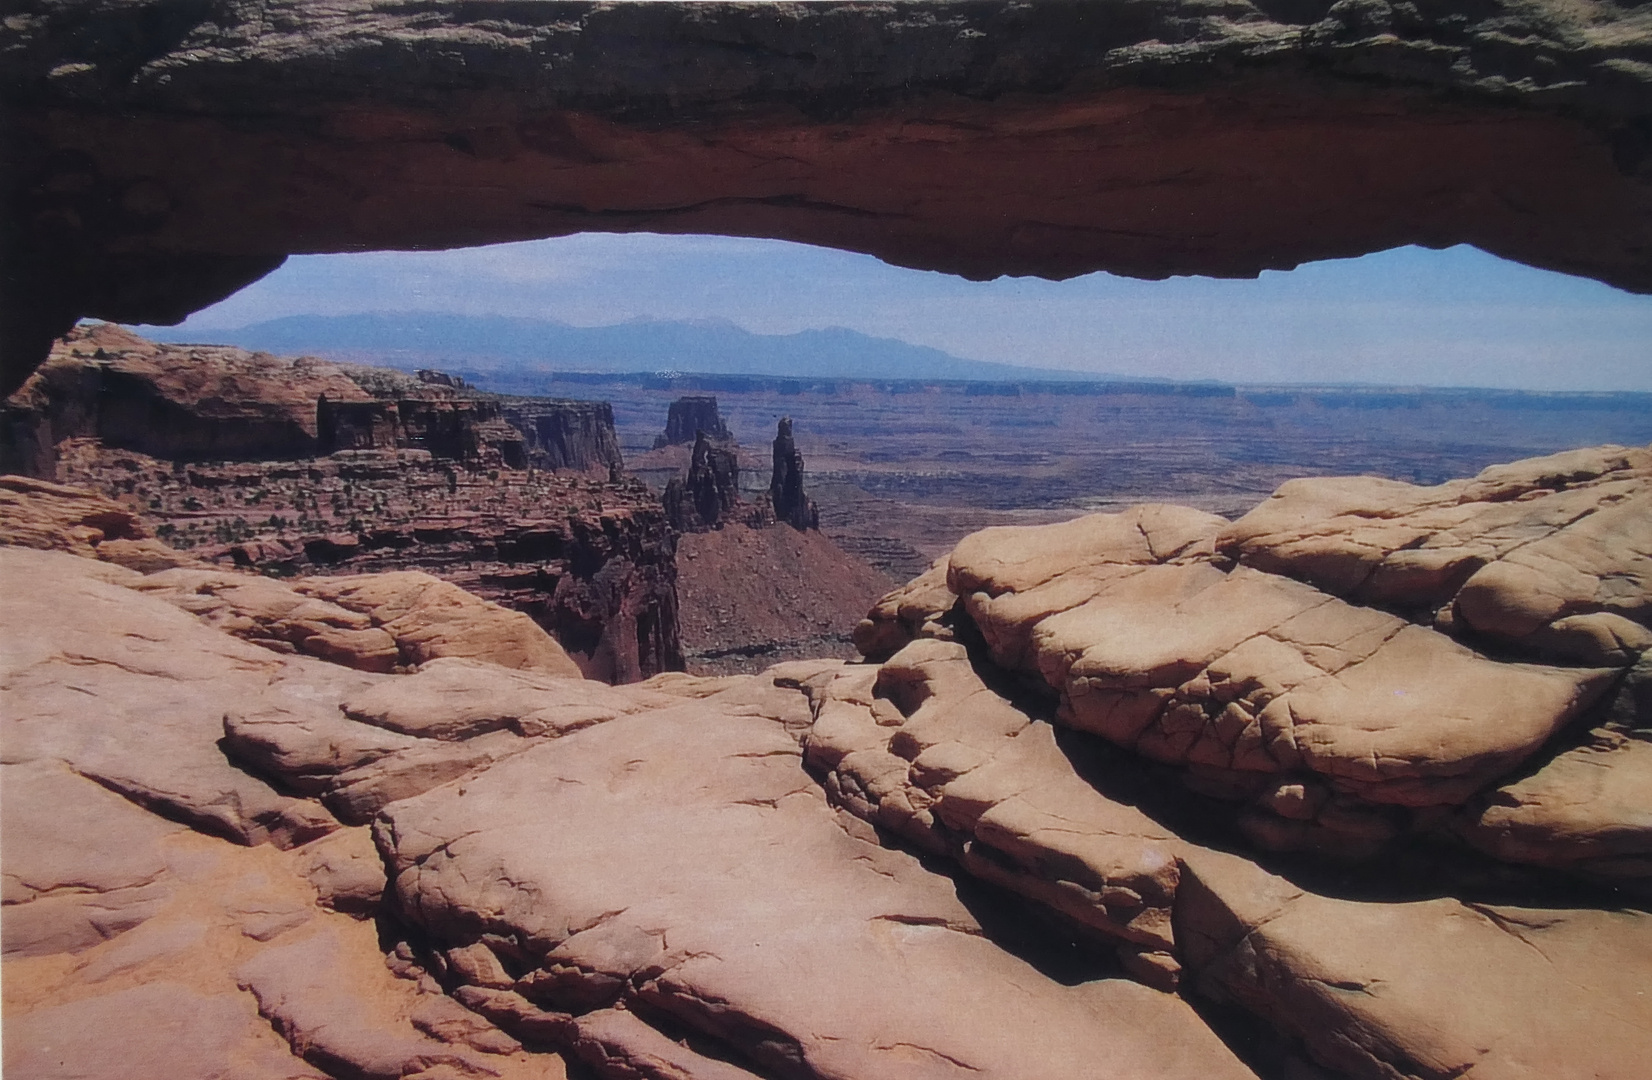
(575, 436)
(593, 562)
(305, 467)
(215, 403)
(164, 156)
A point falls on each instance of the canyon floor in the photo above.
(903, 471)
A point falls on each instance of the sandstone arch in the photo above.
(163, 154)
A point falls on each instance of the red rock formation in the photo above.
(1341, 726)
(576, 436)
(418, 477)
(711, 877)
(709, 495)
(687, 417)
(592, 562)
(161, 165)
(214, 403)
(786, 495)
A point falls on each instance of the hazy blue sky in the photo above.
(1409, 316)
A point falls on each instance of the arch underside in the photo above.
(160, 165)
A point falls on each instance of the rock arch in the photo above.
(164, 154)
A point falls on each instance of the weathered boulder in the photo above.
(454, 699)
(345, 870)
(377, 622)
(430, 618)
(906, 613)
(298, 736)
(1551, 556)
(705, 883)
(1252, 674)
(272, 614)
(1588, 811)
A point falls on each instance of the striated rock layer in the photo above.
(163, 163)
(216, 403)
(393, 473)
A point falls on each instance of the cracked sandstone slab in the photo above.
(682, 861)
(921, 747)
(1335, 722)
(1550, 556)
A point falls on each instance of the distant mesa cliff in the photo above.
(301, 466)
(215, 403)
(688, 417)
(576, 436)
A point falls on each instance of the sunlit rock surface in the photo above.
(237, 860)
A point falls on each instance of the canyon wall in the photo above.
(295, 467)
(568, 435)
(164, 155)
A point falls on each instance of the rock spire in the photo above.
(791, 505)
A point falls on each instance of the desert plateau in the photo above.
(367, 717)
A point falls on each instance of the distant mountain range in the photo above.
(495, 343)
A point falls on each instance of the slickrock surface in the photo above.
(131, 692)
(1431, 988)
(1340, 725)
(705, 881)
(240, 975)
(236, 861)
(1551, 557)
(921, 747)
(169, 167)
